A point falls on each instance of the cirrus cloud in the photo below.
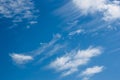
(91, 72)
(17, 9)
(70, 63)
(21, 58)
(109, 9)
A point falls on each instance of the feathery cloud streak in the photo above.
(20, 58)
(17, 9)
(69, 63)
(89, 72)
(109, 9)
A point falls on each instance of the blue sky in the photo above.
(59, 39)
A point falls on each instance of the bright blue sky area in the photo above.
(59, 40)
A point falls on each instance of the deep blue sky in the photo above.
(60, 36)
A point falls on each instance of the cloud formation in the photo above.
(89, 72)
(69, 63)
(17, 9)
(75, 32)
(109, 9)
(48, 45)
(20, 58)
(50, 49)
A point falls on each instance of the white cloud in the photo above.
(33, 22)
(75, 32)
(20, 58)
(17, 9)
(109, 9)
(89, 72)
(89, 6)
(112, 12)
(53, 50)
(70, 63)
(69, 72)
(48, 45)
(49, 49)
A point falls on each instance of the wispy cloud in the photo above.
(89, 16)
(109, 9)
(46, 46)
(21, 58)
(52, 50)
(76, 32)
(17, 9)
(104, 11)
(49, 48)
(69, 63)
(89, 72)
